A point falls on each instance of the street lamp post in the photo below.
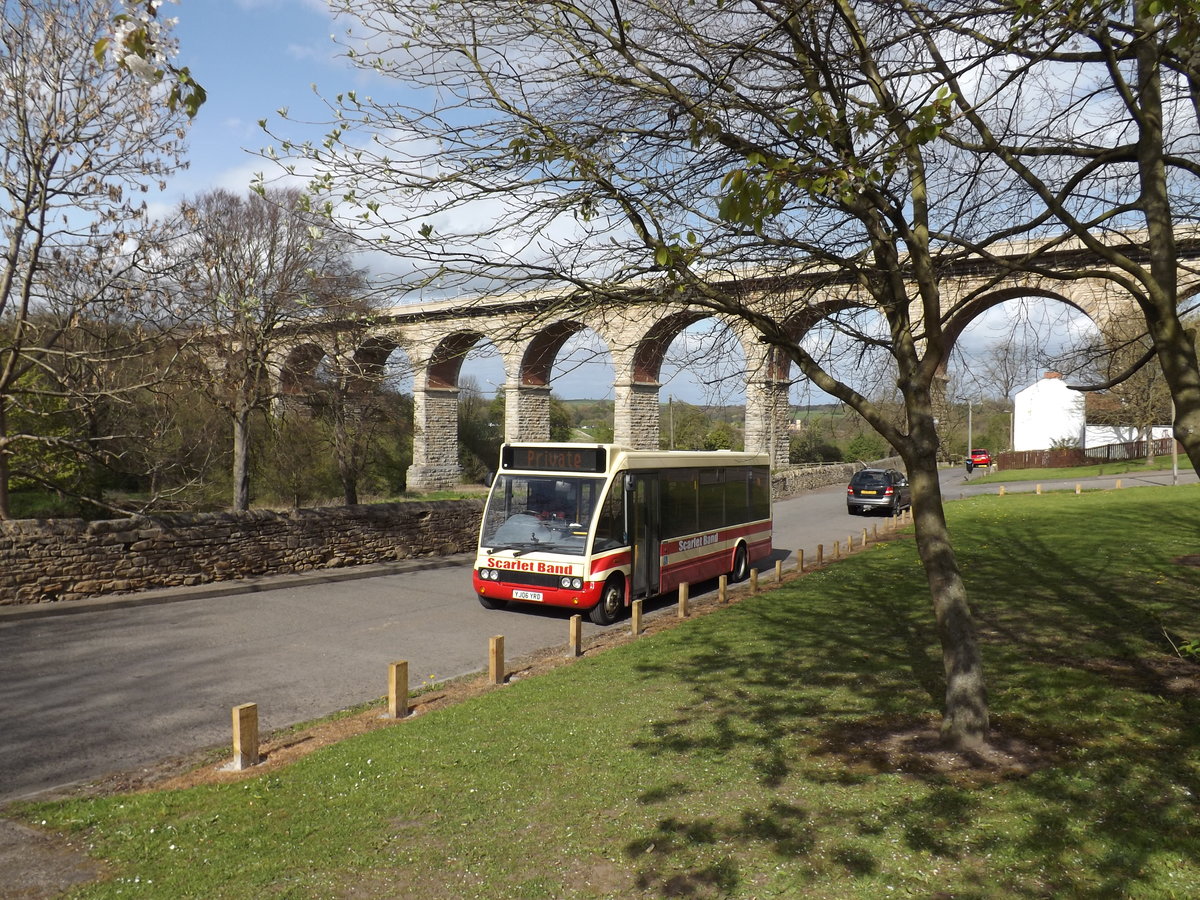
(970, 436)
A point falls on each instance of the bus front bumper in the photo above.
(584, 597)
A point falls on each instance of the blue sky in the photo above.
(256, 56)
(252, 57)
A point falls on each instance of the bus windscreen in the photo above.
(543, 512)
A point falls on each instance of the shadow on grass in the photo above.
(1070, 610)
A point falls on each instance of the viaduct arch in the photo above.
(530, 330)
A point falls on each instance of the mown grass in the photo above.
(719, 758)
(1119, 467)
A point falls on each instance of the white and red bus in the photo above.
(595, 526)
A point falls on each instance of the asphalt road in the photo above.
(109, 686)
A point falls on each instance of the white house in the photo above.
(1048, 413)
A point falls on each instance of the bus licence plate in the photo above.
(528, 595)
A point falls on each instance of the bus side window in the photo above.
(610, 523)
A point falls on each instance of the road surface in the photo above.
(92, 690)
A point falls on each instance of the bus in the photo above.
(594, 527)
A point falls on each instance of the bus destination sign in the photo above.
(555, 459)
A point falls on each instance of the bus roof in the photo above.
(621, 457)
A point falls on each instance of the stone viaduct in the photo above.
(530, 330)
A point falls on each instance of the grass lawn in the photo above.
(736, 755)
(1121, 467)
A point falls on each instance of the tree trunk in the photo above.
(344, 450)
(5, 508)
(349, 489)
(965, 719)
(1174, 344)
(1177, 355)
(241, 460)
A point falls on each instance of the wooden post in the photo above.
(723, 589)
(864, 541)
(800, 560)
(1001, 490)
(398, 689)
(1118, 484)
(575, 639)
(683, 600)
(245, 736)
(636, 618)
(496, 660)
(779, 571)
(1078, 488)
(754, 581)
(837, 549)
(820, 554)
(875, 531)
(1038, 489)
(849, 544)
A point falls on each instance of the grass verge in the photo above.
(743, 754)
(1120, 467)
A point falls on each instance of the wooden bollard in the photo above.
(1078, 488)
(245, 736)
(849, 544)
(496, 660)
(800, 560)
(837, 549)
(1118, 484)
(575, 637)
(683, 600)
(636, 618)
(398, 689)
(1001, 490)
(875, 531)
(1038, 489)
(723, 589)
(820, 554)
(754, 581)
(864, 540)
(779, 571)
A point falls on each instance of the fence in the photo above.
(1074, 456)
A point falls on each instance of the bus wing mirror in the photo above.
(629, 482)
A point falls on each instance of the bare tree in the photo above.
(650, 151)
(1094, 117)
(255, 266)
(79, 142)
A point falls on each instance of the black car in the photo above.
(884, 489)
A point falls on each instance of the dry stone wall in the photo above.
(791, 480)
(65, 559)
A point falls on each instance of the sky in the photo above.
(254, 57)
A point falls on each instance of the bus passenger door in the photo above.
(642, 512)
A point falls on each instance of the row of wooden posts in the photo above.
(245, 717)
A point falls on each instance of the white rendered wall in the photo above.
(1047, 412)
(1100, 435)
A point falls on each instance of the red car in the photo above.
(978, 457)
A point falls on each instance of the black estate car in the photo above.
(885, 489)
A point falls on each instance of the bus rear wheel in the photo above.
(608, 610)
(489, 603)
(741, 565)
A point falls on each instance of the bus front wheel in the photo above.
(741, 565)
(608, 610)
(489, 603)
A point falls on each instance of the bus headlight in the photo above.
(489, 574)
(565, 581)
(570, 583)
